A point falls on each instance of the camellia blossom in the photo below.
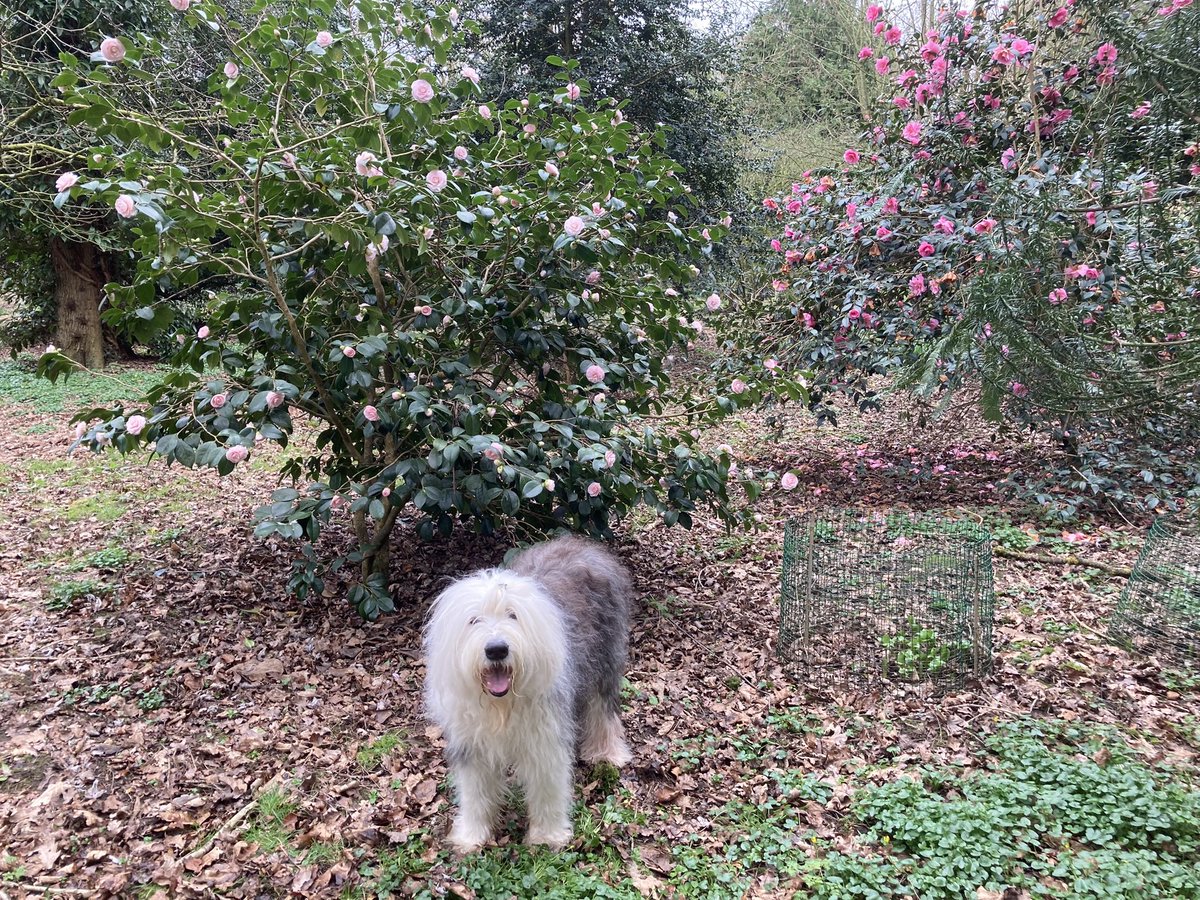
(551, 169)
(713, 302)
(112, 50)
(66, 181)
(1020, 46)
(461, 153)
(772, 364)
(181, 5)
(218, 400)
(874, 12)
(866, 53)
(422, 91)
(202, 332)
(882, 233)
(1142, 110)
(485, 111)
(610, 459)
(1008, 158)
(851, 156)
(231, 70)
(893, 35)
(912, 132)
(135, 425)
(574, 226)
(349, 351)
(324, 39)
(436, 180)
(738, 386)
(370, 413)
(593, 277)
(1018, 389)
(1059, 17)
(363, 164)
(594, 373)
(925, 248)
(1057, 296)
(470, 74)
(1003, 55)
(985, 226)
(572, 91)
(789, 481)
(125, 206)
(882, 65)
(274, 399)
(237, 453)
(916, 285)
(594, 489)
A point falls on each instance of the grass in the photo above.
(106, 506)
(19, 384)
(371, 755)
(270, 830)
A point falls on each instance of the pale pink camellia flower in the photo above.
(274, 399)
(125, 207)
(1003, 55)
(370, 413)
(594, 374)
(237, 453)
(80, 430)
(485, 111)
(574, 226)
(572, 91)
(549, 485)
(593, 277)
(427, 233)
(425, 310)
(112, 50)
(436, 180)
(66, 181)
(289, 160)
(202, 332)
(866, 53)
(181, 5)
(470, 74)
(231, 70)
(324, 39)
(610, 459)
(551, 169)
(809, 321)
(530, 129)
(349, 352)
(461, 153)
(925, 248)
(1141, 111)
(363, 164)
(135, 425)
(422, 91)
(882, 65)
(713, 302)
(789, 482)
(851, 156)
(780, 285)
(874, 12)
(772, 364)
(218, 400)
(594, 489)
(1020, 46)
(912, 132)
(738, 386)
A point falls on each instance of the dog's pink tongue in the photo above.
(498, 682)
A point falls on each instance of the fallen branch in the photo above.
(236, 819)
(50, 889)
(1064, 561)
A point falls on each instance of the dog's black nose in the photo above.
(496, 651)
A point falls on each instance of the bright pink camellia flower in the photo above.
(882, 64)
(1059, 17)
(713, 302)
(1018, 389)
(135, 424)
(866, 53)
(231, 70)
(1003, 55)
(349, 352)
(66, 181)
(436, 180)
(874, 12)
(738, 386)
(780, 284)
(237, 453)
(125, 207)
(594, 489)
(594, 374)
(1020, 46)
(112, 50)
(851, 156)
(1008, 157)
(891, 206)
(574, 226)
(1106, 54)
(809, 321)
(912, 132)
(925, 248)
(943, 225)
(882, 233)
(370, 413)
(985, 226)
(916, 285)
(1142, 110)
(789, 481)
(1090, 217)
(893, 35)
(422, 91)
(324, 39)
(1057, 296)
(219, 400)
(274, 399)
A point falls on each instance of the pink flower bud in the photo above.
(219, 400)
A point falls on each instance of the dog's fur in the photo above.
(561, 608)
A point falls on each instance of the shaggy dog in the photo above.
(523, 665)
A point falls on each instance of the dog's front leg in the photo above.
(548, 779)
(479, 788)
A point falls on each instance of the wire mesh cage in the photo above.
(1159, 610)
(897, 598)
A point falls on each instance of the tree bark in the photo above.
(79, 283)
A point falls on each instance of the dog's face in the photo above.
(499, 633)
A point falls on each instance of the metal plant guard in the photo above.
(886, 598)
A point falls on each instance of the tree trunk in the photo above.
(79, 282)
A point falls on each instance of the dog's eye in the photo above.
(512, 615)
(474, 621)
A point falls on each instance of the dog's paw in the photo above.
(555, 839)
(468, 840)
(615, 752)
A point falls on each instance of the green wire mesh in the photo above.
(870, 599)
(1159, 610)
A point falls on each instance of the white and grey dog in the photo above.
(523, 666)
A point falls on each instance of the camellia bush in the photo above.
(1021, 218)
(472, 305)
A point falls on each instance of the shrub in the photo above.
(472, 304)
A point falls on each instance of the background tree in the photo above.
(648, 53)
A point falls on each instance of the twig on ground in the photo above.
(236, 819)
(1071, 560)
